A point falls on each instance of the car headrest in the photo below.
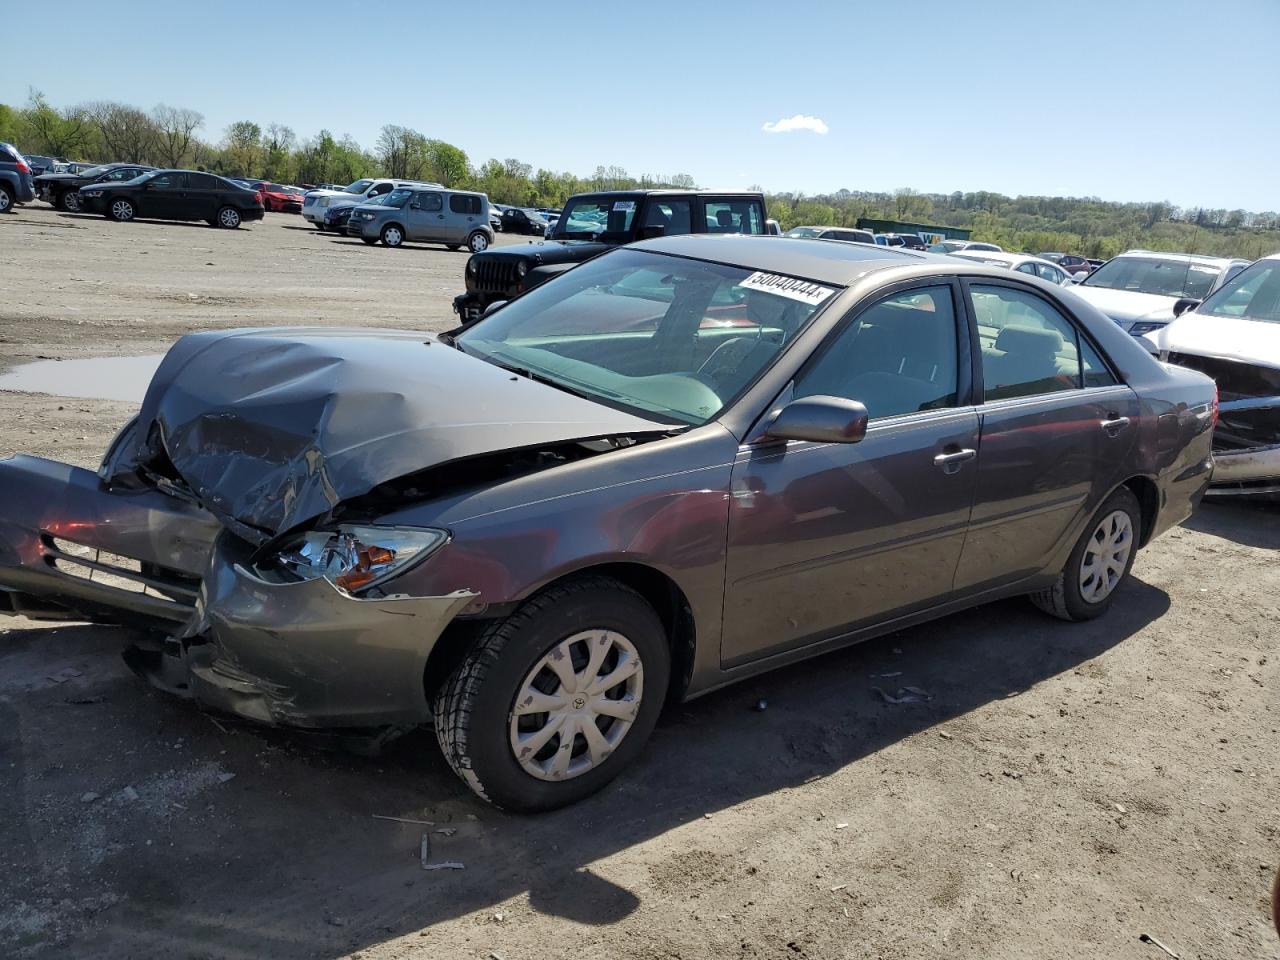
(1028, 340)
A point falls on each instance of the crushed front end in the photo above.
(211, 628)
(1246, 441)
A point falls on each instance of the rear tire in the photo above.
(478, 242)
(1099, 564)
(6, 199)
(229, 218)
(475, 710)
(370, 241)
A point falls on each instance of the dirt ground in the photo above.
(1067, 789)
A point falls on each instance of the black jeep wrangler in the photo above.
(595, 222)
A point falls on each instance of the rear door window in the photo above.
(1029, 347)
(733, 216)
(673, 214)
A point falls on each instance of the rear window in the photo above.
(464, 203)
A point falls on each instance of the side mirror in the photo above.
(415, 205)
(493, 306)
(820, 419)
(652, 232)
(1185, 304)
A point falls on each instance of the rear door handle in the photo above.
(951, 462)
(1114, 425)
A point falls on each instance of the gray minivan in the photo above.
(455, 218)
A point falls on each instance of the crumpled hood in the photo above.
(1231, 338)
(272, 428)
(1125, 306)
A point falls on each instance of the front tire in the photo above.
(320, 227)
(554, 701)
(229, 218)
(1099, 563)
(121, 210)
(69, 201)
(369, 241)
(392, 236)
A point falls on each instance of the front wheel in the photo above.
(229, 218)
(69, 201)
(554, 701)
(478, 242)
(121, 210)
(392, 236)
(1100, 562)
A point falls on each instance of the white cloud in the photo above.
(798, 122)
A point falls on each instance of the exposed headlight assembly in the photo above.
(91, 193)
(356, 557)
(521, 269)
(1145, 326)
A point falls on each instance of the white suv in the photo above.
(316, 203)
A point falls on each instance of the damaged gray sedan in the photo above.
(675, 466)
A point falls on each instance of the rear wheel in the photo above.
(69, 200)
(392, 235)
(369, 240)
(121, 210)
(229, 218)
(320, 227)
(478, 242)
(1100, 562)
(555, 700)
(6, 199)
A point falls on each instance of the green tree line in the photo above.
(172, 137)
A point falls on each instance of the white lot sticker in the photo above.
(627, 205)
(790, 287)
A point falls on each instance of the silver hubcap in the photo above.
(392, 236)
(576, 704)
(122, 210)
(71, 201)
(230, 218)
(1106, 556)
(4, 201)
(479, 242)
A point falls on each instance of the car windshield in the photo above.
(396, 198)
(666, 338)
(946, 246)
(1157, 275)
(94, 171)
(1253, 294)
(360, 186)
(804, 232)
(966, 255)
(591, 217)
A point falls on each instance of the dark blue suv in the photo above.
(16, 185)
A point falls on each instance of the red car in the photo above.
(280, 198)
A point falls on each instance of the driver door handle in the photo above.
(1114, 424)
(951, 462)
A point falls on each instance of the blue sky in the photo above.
(1126, 100)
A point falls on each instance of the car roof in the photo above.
(837, 263)
(1013, 259)
(673, 192)
(1181, 257)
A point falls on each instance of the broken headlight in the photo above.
(356, 557)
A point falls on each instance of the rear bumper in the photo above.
(252, 213)
(298, 654)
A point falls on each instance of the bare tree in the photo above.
(176, 127)
(126, 132)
